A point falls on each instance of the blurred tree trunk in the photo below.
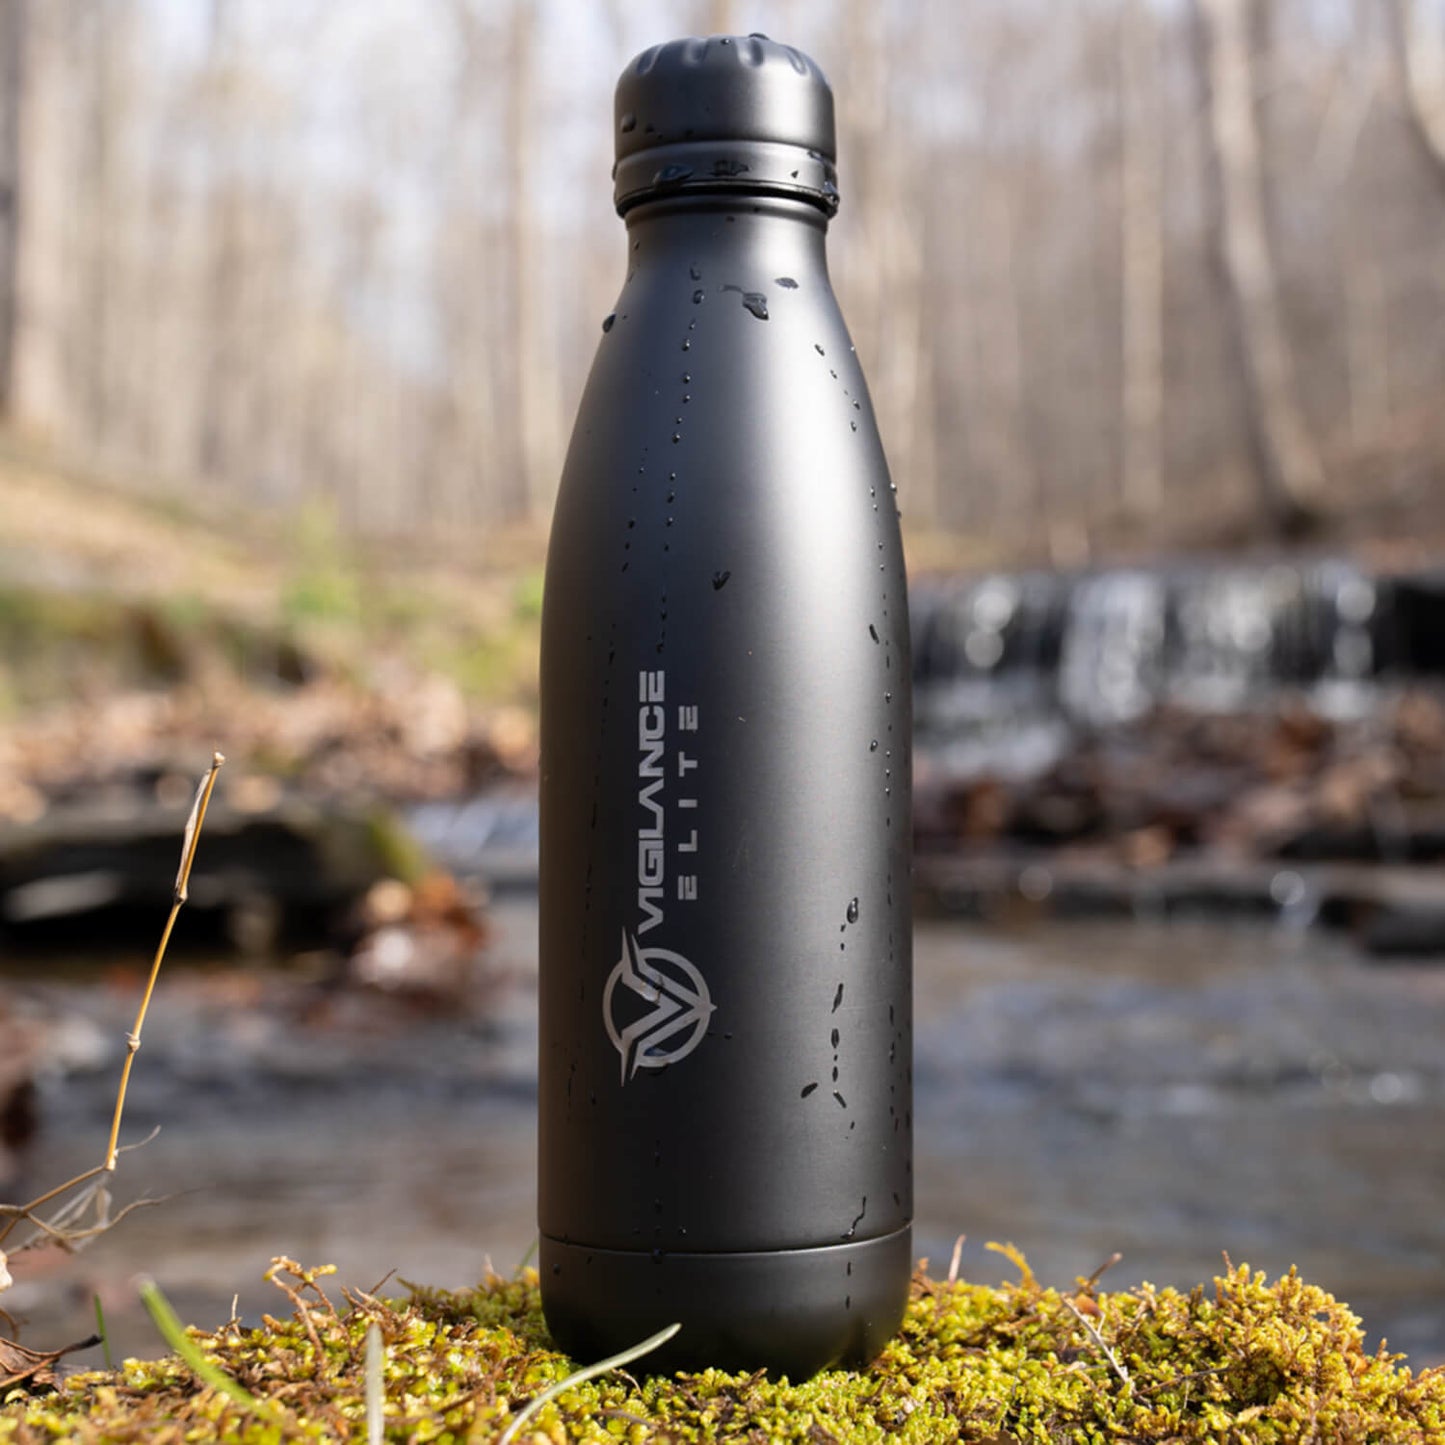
(222, 298)
(1420, 60)
(538, 415)
(1287, 468)
(12, 80)
(1142, 254)
(721, 18)
(885, 280)
(92, 341)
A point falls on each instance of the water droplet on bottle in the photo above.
(687, 345)
(699, 296)
(787, 283)
(853, 910)
(887, 697)
(835, 1038)
(854, 425)
(819, 349)
(686, 397)
(756, 303)
(676, 437)
(808, 1089)
(672, 175)
(873, 631)
(843, 1103)
(686, 377)
(838, 998)
(629, 123)
(694, 273)
(671, 496)
(873, 746)
(608, 321)
(720, 580)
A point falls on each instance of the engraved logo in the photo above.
(678, 1007)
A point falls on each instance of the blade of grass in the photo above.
(174, 1334)
(612, 1362)
(103, 1333)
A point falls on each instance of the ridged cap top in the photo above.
(731, 112)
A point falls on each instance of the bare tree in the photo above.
(1420, 59)
(1286, 465)
(720, 17)
(538, 413)
(12, 78)
(223, 262)
(1141, 257)
(883, 278)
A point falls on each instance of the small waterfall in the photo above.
(1113, 647)
(1006, 666)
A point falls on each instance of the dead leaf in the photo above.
(34, 1368)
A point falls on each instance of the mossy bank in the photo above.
(1243, 1360)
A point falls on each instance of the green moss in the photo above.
(1246, 1361)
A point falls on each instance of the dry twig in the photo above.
(1099, 1341)
(63, 1227)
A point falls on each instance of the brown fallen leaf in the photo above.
(35, 1369)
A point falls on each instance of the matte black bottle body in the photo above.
(726, 1014)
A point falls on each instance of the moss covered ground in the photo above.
(1243, 1360)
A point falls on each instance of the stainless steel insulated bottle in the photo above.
(726, 1044)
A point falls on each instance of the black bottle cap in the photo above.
(729, 113)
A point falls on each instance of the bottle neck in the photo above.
(786, 238)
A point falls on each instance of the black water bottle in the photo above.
(725, 1061)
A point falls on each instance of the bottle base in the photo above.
(792, 1312)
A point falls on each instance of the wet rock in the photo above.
(93, 872)
(1405, 932)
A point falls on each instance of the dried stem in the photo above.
(183, 879)
(1098, 1340)
(113, 1150)
(957, 1256)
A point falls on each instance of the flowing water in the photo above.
(1169, 1091)
(1007, 667)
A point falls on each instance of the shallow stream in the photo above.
(1170, 1091)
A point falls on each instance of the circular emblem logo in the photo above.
(675, 1004)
